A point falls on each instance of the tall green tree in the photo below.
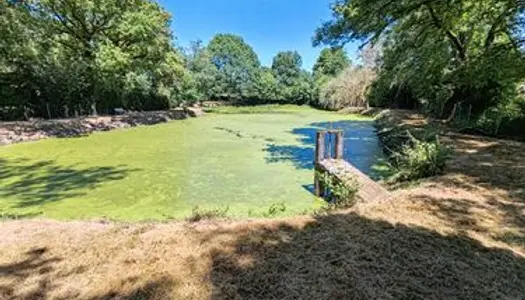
(331, 62)
(445, 51)
(287, 66)
(237, 65)
(294, 84)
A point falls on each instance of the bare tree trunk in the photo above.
(94, 108)
(27, 112)
(452, 114)
(48, 110)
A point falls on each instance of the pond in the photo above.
(240, 163)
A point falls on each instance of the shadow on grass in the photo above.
(353, 257)
(40, 261)
(35, 260)
(492, 163)
(159, 289)
(37, 183)
(362, 147)
(469, 215)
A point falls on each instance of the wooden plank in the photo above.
(369, 190)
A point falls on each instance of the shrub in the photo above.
(420, 159)
(349, 89)
(340, 195)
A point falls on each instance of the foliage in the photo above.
(348, 89)
(420, 159)
(275, 209)
(341, 195)
(267, 86)
(331, 62)
(506, 119)
(237, 67)
(287, 66)
(294, 85)
(228, 69)
(87, 55)
(199, 214)
(442, 52)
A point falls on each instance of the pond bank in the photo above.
(25, 131)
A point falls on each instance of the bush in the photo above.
(419, 159)
(349, 89)
(340, 195)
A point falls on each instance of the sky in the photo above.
(269, 26)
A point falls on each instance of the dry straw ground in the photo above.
(456, 236)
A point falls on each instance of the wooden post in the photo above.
(339, 145)
(319, 156)
(319, 146)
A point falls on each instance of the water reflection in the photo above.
(362, 146)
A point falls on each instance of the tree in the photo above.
(294, 84)
(443, 51)
(204, 73)
(267, 86)
(287, 67)
(331, 62)
(237, 65)
(79, 54)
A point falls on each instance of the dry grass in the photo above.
(457, 236)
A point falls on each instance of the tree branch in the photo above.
(451, 36)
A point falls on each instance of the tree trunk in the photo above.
(452, 114)
(94, 108)
(48, 110)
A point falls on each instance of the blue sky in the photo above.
(269, 26)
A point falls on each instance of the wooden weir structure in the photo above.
(332, 162)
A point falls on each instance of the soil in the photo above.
(24, 131)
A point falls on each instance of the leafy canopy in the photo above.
(237, 65)
(75, 54)
(443, 50)
(331, 62)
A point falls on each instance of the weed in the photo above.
(199, 214)
(275, 209)
(419, 159)
(340, 195)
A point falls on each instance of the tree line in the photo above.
(61, 58)
(462, 60)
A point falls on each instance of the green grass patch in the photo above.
(243, 162)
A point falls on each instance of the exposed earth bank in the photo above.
(25, 131)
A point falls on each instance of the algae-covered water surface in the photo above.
(242, 163)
